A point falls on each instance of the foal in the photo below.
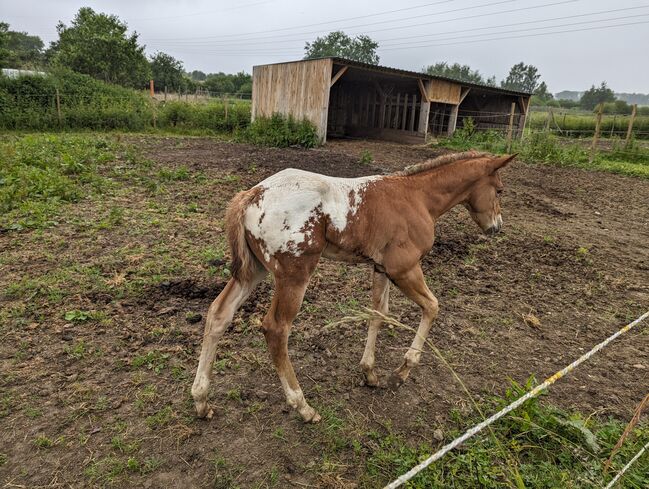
(285, 224)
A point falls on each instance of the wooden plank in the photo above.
(382, 102)
(423, 90)
(389, 113)
(443, 91)
(397, 109)
(373, 111)
(424, 110)
(452, 120)
(337, 76)
(629, 129)
(413, 110)
(465, 92)
(405, 113)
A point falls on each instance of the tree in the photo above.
(197, 75)
(360, 48)
(596, 95)
(542, 93)
(220, 83)
(98, 45)
(4, 41)
(25, 51)
(459, 72)
(167, 71)
(522, 77)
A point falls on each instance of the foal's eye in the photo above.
(499, 192)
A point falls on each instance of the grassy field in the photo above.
(582, 124)
(96, 374)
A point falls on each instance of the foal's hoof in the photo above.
(310, 415)
(203, 410)
(394, 382)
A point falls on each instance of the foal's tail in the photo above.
(244, 262)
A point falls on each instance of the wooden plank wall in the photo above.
(299, 89)
(444, 92)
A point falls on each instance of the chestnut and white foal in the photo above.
(285, 224)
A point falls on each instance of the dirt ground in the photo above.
(570, 268)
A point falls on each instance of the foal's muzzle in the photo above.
(496, 226)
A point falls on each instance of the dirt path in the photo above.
(574, 254)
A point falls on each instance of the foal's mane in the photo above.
(440, 161)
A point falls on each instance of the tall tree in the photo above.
(596, 95)
(360, 48)
(197, 75)
(542, 92)
(99, 45)
(167, 71)
(4, 41)
(25, 51)
(522, 77)
(459, 72)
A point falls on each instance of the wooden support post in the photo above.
(404, 116)
(424, 111)
(510, 128)
(598, 127)
(225, 108)
(413, 110)
(151, 91)
(629, 131)
(58, 107)
(165, 93)
(337, 76)
(452, 120)
(397, 109)
(522, 118)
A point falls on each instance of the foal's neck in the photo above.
(444, 187)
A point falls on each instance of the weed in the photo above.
(118, 443)
(366, 157)
(152, 360)
(234, 394)
(280, 131)
(3, 459)
(76, 351)
(160, 419)
(43, 441)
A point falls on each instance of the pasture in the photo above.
(113, 248)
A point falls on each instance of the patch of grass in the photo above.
(42, 441)
(77, 351)
(121, 445)
(3, 459)
(41, 172)
(160, 419)
(550, 448)
(280, 132)
(152, 360)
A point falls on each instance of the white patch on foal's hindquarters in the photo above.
(292, 199)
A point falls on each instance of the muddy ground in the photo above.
(105, 399)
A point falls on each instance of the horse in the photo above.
(287, 222)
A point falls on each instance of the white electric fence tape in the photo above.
(534, 392)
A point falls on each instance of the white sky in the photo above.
(235, 35)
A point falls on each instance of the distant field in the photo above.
(573, 123)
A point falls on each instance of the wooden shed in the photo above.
(345, 98)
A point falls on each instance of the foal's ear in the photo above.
(504, 161)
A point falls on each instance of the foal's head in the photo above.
(483, 201)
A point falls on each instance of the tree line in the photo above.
(101, 46)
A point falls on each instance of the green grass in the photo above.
(541, 147)
(547, 447)
(582, 124)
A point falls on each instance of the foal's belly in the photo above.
(336, 253)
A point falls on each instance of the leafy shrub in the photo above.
(280, 132)
(217, 115)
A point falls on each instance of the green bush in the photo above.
(29, 103)
(280, 132)
(217, 115)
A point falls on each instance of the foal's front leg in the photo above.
(380, 299)
(413, 285)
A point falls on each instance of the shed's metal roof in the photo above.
(414, 74)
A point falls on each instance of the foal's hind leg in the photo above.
(380, 298)
(289, 292)
(413, 285)
(219, 316)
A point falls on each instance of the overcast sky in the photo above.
(235, 35)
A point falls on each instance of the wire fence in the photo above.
(521, 400)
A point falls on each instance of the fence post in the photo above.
(58, 106)
(547, 121)
(613, 125)
(165, 93)
(151, 91)
(510, 128)
(598, 126)
(629, 130)
(225, 106)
